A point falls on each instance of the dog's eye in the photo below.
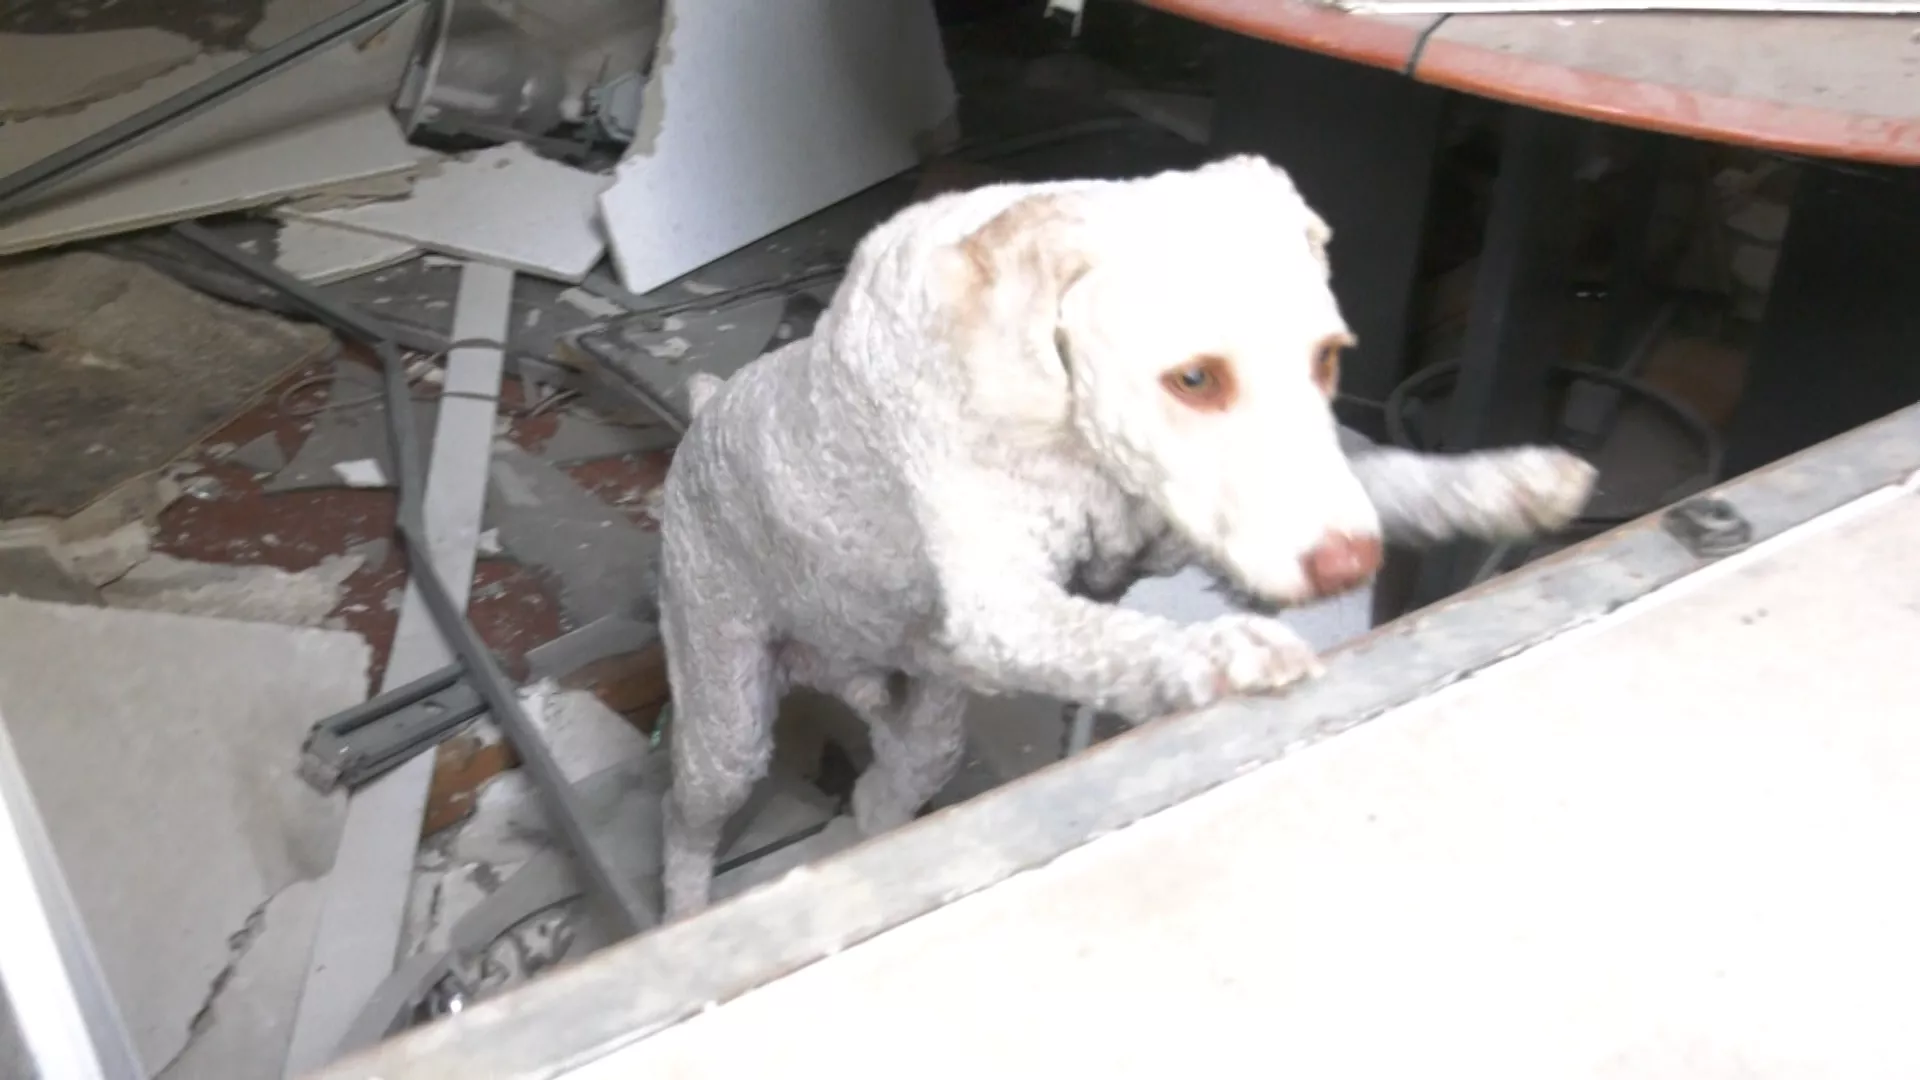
(1204, 383)
(1326, 363)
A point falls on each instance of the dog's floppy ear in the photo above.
(1005, 282)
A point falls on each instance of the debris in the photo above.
(32, 573)
(111, 369)
(598, 640)
(350, 425)
(651, 359)
(54, 74)
(249, 593)
(584, 735)
(313, 124)
(361, 473)
(581, 436)
(601, 563)
(351, 748)
(672, 348)
(591, 304)
(240, 1029)
(742, 104)
(373, 554)
(504, 205)
(366, 894)
(629, 682)
(140, 499)
(105, 558)
(488, 545)
(262, 454)
(320, 254)
(257, 172)
(839, 835)
(210, 706)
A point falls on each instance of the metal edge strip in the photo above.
(630, 991)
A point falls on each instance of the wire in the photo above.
(558, 399)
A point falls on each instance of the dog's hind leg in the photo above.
(917, 748)
(725, 693)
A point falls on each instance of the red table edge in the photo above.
(1489, 73)
(1611, 99)
(1306, 25)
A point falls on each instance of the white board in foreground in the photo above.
(1673, 844)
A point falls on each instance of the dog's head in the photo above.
(1183, 330)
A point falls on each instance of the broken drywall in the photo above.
(249, 593)
(504, 205)
(277, 135)
(581, 436)
(350, 425)
(54, 74)
(161, 750)
(758, 114)
(321, 254)
(600, 561)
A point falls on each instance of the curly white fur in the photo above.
(940, 490)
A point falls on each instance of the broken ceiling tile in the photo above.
(320, 254)
(757, 115)
(261, 454)
(580, 437)
(504, 205)
(251, 593)
(600, 561)
(184, 749)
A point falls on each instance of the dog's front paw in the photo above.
(1236, 655)
(1546, 488)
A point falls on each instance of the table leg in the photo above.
(1635, 312)
(1520, 297)
(1837, 342)
(1360, 144)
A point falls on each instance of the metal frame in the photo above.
(115, 138)
(65, 1011)
(629, 911)
(577, 1015)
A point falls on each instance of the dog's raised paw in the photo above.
(1236, 655)
(1550, 486)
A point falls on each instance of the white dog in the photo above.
(1023, 399)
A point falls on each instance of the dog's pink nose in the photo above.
(1341, 562)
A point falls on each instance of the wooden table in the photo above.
(1827, 86)
(1351, 105)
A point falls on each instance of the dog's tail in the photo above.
(700, 389)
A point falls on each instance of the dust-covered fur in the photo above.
(1023, 399)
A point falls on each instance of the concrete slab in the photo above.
(161, 750)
